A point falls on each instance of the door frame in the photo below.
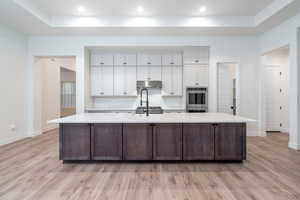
(235, 61)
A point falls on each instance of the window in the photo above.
(68, 95)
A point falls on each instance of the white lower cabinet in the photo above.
(125, 81)
(172, 81)
(151, 73)
(102, 81)
(196, 75)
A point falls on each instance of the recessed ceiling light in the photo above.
(140, 9)
(202, 9)
(81, 9)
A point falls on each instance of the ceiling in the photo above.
(151, 8)
(160, 17)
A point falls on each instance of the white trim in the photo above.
(11, 140)
(294, 146)
(49, 127)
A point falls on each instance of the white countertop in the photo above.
(152, 118)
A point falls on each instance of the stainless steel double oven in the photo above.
(197, 98)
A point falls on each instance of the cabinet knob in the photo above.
(197, 83)
(196, 61)
(124, 92)
(101, 93)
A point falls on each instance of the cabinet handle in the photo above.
(197, 83)
(124, 92)
(101, 93)
(172, 63)
(125, 63)
(149, 63)
(196, 61)
(102, 63)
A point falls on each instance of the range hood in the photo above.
(148, 84)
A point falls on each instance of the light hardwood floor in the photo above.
(30, 169)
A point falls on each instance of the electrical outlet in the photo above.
(12, 127)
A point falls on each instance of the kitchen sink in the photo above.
(152, 110)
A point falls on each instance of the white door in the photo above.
(272, 91)
(227, 88)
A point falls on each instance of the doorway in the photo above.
(276, 97)
(227, 88)
(54, 90)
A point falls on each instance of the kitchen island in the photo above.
(163, 137)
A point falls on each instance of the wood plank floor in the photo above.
(30, 169)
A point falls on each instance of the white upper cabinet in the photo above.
(102, 81)
(125, 81)
(102, 59)
(149, 67)
(150, 73)
(149, 60)
(172, 81)
(125, 59)
(172, 59)
(196, 75)
(196, 55)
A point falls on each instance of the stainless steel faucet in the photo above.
(147, 100)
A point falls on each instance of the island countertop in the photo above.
(152, 118)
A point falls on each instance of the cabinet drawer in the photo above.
(149, 59)
(171, 59)
(102, 59)
(125, 59)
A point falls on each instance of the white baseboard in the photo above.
(294, 146)
(49, 127)
(11, 140)
(256, 133)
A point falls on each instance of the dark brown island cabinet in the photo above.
(153, 142)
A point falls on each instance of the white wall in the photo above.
(283, 35)
(244, 49)
(13, 55)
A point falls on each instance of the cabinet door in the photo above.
(125, 59)
(167, 81)
(130, 81)
(177, 81)
(107, 81)
(102, 59)
(230, 142)
(142, 73)
(74, 142)
(149, 60)
(95, 75)
(167, 142)
(172, 59)
(154, 73)
(196, 55)
(125, 81)
(196, 75)
(119, 81)
(198, 142)
(137, 142)
(106, 141)
(150, 73)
